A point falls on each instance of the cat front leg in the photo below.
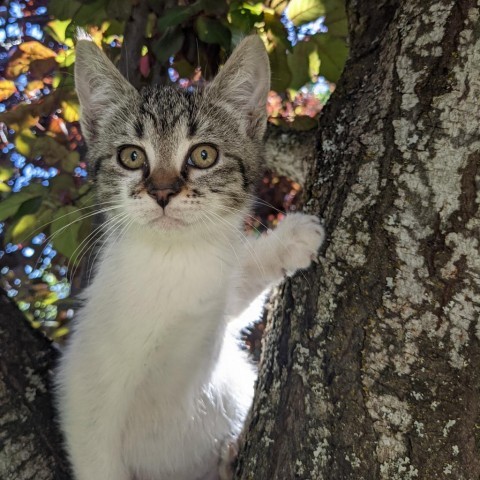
(292, 246)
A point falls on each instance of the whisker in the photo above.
(112, 229)
(246, 242)
(83, 217)
(76, 260)
(39, 229)
(223, 234)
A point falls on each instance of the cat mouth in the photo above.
(167, 222)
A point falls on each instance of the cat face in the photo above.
(173, 158)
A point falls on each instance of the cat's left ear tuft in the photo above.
(244, 83)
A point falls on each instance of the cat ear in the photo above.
(98, 83)
(244, 83)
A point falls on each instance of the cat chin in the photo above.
(166, 223)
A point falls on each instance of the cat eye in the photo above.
(203, 156)
(132, 157)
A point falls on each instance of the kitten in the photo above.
(153, 384)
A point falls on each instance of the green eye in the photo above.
(131, 157)
(203, 156)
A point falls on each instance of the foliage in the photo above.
(46, 202)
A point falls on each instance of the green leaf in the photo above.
(24, 142)
(210, 30)
(92, 13)
(29, 207)
(66, 58)
(5, 173)
(168, 44)
(304, 63)
(10, 205)
(176, 15)
(60, 184)
(62, 10)
(333, 53)
(280, 73)
(304, 11)
(184, 68)
(70, 110)
(115, 27)
(71, 162)
(65, 228)
(274, 25)
(30, 145)
(57, 29)
(243, 16)
(23, 228)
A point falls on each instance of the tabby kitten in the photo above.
(153, 384)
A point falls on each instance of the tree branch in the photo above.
(30, 443)
(289, 152)
(133, 41)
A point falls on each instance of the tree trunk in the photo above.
(371, 360)
(30, 444)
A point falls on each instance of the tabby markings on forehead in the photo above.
(138, 126)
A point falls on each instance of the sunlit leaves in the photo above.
(31, 57)
(7, 89)
(57, 30)
(243, 16)
(22, 229)
(31, 145)
(303, 11)
(26, 115)
(70, 110)
(36, 51)
(5, 175)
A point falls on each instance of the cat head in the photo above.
(172, 158)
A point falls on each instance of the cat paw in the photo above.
(300, 236)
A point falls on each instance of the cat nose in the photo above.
(163, 194)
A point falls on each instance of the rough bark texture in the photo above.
(289, 152)
(370, 367)
(30, 444)
(371, 362)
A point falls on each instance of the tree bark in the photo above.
(289, 152)
(30, 444)
(370, 364)
(370, 361)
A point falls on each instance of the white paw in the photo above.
(299, 238)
